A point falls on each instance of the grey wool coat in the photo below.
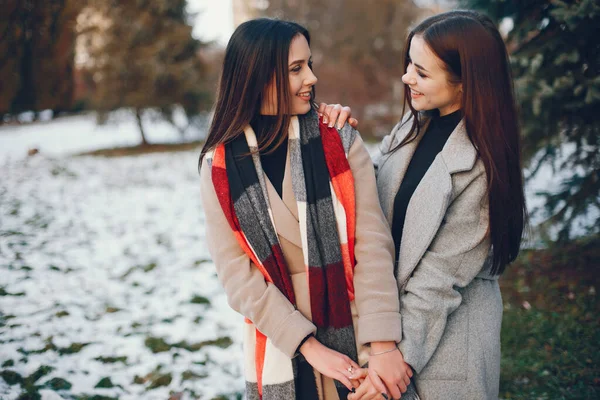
(451, 307)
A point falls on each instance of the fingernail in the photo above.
(324, 120)
(340, 126)
(385, 396)
(331, 124)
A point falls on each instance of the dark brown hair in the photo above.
(474, 54)
(256, 55)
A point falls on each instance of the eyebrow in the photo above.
(300, 61)
(420, 67)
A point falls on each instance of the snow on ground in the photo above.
(103, 260)
(80, 133)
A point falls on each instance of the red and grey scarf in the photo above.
(324, 189)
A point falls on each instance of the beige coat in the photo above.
(376, 305)
(451, 307)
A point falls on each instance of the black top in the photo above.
(431, 144)
(273, 163)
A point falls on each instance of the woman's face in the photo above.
(428, 80)
(301, 80)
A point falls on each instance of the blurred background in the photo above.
(107, 290)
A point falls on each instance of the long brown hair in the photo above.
(473, 53)
(256, 55)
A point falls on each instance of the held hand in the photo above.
(336, 112)
(388, 370)
(329, 362)
(366, 390)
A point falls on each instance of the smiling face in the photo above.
(301, 80)
(428, 81)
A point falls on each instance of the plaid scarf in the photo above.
(319, 164)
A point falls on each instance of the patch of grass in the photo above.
(550, 329)
(50, 346)
(160, 380)
(72, 349)
(11, 377)
(191, 375)
(236, 396)
(201, 261)
(4, 292)
(146, 268)
(104, 383)
(40, 372)
(58, 384)
(155, 379)
(8, 363)
(112, 360)
(149, 267)
(222, 342)
(197, 299)
(158, 345)
(61, 314)
(4, 318)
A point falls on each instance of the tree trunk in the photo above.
(138, 117)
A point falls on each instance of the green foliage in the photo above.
(550, 329)
(555, 55)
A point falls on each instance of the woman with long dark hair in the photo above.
(450, 184)
(303, 254)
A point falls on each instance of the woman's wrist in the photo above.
(378, 347)
(307, 344)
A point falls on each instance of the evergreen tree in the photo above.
(555, 54)
(142, 55)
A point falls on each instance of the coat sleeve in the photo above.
(455, 257)
(376, 291)
(247, 291)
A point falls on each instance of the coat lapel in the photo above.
(392, 169)
(286, 223)
(284, 215)
(429, 202)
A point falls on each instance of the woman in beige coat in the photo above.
(306, 258)
(450, 185)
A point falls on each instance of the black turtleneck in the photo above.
(434, 139)
(273, 163)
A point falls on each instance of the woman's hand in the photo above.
(388, 370)
(366, 390)
(329, 362)
(336, 112)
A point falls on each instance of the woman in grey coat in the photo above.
(450, 185)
